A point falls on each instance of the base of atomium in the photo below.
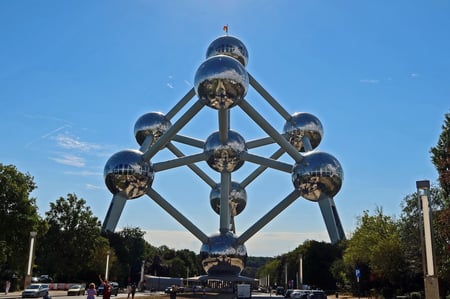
(223, 255)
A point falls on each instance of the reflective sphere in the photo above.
(303, 124)
(318, 173)
(237, 198)
(223, 256)
(228, 45)
(225, 157)
(153, 123)
(127, 172)
(222, 81)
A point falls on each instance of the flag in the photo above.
(225, 28)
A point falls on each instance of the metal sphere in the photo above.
(154, 124)
(318, 173)
(128, 173)
(228, 45)
(303, 124)
(224, 157)
(222, 255)
(237, 198)
(222, 81)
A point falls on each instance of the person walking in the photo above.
(133, 290)
(91, 291)
(7, 286)
(128, 290)
(106, 287)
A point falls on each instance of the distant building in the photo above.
(159, 283)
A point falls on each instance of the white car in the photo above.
(76, 290)
(36, 290)
(299, 294)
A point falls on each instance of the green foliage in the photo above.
(18, 217)
(377, 250)
(318, 259)
(74, 230)
(440, 156)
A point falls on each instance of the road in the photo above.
(63, 295)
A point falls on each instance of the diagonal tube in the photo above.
(268, 217)
(177, 215)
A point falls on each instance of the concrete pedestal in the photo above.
(431, 287)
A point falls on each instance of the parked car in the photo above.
(114, 288)
(287, 293)
(175, 289)
(35, 290)
(279, 291)
(317, 294)
(76, 290)
(45, 279)
(299, 294)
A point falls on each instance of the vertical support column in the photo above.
(426, 239)
(30, 259)
(107, 265)
(225, 182)
(331, 218)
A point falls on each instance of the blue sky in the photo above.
(76, 75)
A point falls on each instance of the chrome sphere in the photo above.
(237, 198)
(225, 157)
(228, 45)
(222, 81)
(222, 255)
(318, 173)
(128, 173)
(153, 123)
(303, 124)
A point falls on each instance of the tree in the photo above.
(18, 217)
(129, 247)
(410, 234)
(377, 250)
(440, 155)
(75, 232)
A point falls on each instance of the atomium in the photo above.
(152, 124)
(319, 173)
(303, 125)
(221, 82)
(228, 45)
(128, 173)
(223, 255)
(237, 199)
(225, 157)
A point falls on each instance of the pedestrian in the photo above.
(91, 291)
(106, 287)
(7, 286)
(128, 290)
(133, 290)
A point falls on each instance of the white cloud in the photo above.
(414, 75)
(369, 81)
(68, 142)
(70, 160)
(84, 173)
(94, 187)
(261, 244)
(169, 85)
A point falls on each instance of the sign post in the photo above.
(358, 275)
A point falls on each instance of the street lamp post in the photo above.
(300, 271)
(30, 258)
(141, 282)
(426, 240)
(107, 265)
